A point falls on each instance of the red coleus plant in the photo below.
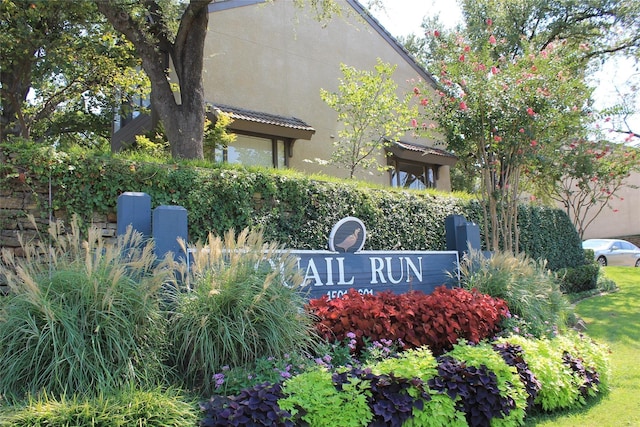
(437, 320)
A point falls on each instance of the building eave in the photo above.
(264, 123)
(422, 153)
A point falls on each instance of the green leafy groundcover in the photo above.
(485, 384)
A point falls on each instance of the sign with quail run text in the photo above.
(345, 265)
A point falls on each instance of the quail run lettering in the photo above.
(382, 271)
(332, 274)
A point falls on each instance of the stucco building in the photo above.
(265, 64)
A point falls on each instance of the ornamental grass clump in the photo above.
(82, 314)
(240, 301)
(531, 291)
(130, 406)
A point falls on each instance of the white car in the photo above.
(613, 252)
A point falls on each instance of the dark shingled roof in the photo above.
(260, 117)
(424, 149)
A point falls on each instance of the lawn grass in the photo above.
(613, 320)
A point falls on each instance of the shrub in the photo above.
(579, 279)
(293, 209)
(531, 291)
(240, 301)
(437, 320)
(123, 408)
(81, 315)
(559, 384)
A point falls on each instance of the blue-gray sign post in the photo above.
(461, 235)
(134, 209)
(169, 225)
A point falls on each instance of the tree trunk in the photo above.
(14, 87)
(182, 113)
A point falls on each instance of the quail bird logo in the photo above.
(347, 235)
(349, 241)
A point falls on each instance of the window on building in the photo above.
(130, 110)
(255, 150)
(416, 176)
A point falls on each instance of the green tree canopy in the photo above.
(62, 71)
(503, 116)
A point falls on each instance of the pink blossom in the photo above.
(463, 106)
(534, 143)
(414, 123)
(424, 101)
(497, 138)
(436, 33)
(461, 58)
(416, 91)
(531, 112)
(494, 70)
(492, 39)
(467, 48)
(489, 22)
(521, 130)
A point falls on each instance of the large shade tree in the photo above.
(149, 26)
(62, 71)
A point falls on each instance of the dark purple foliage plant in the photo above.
(255, 406)
(390, 402)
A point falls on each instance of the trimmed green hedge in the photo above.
(292, 209)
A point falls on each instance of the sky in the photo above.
(403, 17)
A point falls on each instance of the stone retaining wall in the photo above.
(19, 200)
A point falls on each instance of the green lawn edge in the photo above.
(614, 320)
